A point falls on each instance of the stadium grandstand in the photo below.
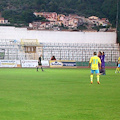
(30, 50)
(78, 46)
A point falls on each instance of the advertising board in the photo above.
(8, 63)
(62, 64)
(33, 63)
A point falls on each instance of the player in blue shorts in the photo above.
(118, 67)
(94, 61)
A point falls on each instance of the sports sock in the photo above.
(37, 68)
(98, 78)
(41, 68)
(118, 69)
(91, 78)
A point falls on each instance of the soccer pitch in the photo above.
(58, 94)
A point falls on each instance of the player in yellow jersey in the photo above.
(118, 66)
(94, 61)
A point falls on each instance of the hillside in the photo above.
(20, 11)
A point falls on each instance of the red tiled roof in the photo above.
(103, 18)
(1, 18)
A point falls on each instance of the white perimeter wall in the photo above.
(57, 36)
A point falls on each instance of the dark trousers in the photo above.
(102, 70)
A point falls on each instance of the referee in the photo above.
(39, 63)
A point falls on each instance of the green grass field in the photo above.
(58, 94)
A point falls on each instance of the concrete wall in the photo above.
(57, 36)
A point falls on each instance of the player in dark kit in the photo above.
(102, 71)
(39, 63)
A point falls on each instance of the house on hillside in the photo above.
(39, 25)
(104, 22)
(99, 22)
(94, 20)
(51, 16)
(65, 21)
(38, 14)
(75, 22)
(73, 16)
(3, 21)
(61, 17)
(72, 21)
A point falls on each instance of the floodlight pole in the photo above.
(117, 21)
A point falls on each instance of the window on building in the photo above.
(30, 49)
